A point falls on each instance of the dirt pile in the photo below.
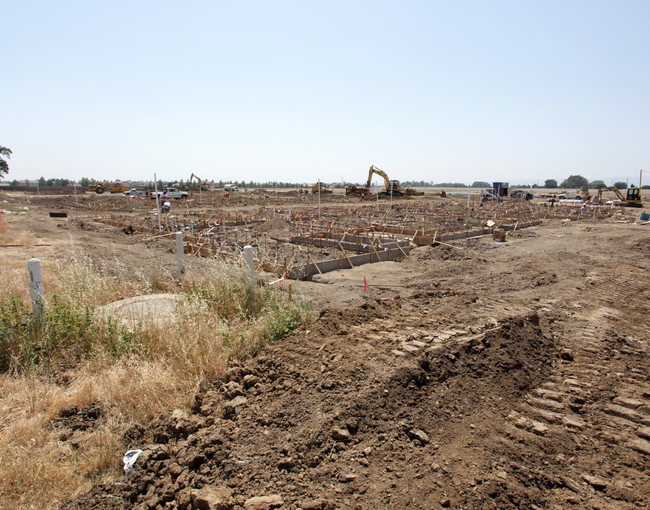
(317, 423)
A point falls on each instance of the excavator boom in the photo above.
(198, 179)
(391, 188)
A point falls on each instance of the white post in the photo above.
(155, 187)
(36, 287)
(250, 273)
(180, 252)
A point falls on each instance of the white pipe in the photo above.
(155, 187)
(36, 287)
(180, 252)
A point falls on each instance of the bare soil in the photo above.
(478, 375)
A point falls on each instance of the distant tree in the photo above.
(575, 181)
(50, 182)
(620, 185)
(450, 185)
(5, 152)
(15, 182)
(481, 184)
(26, 182)
(41, 181)
(550, 183)
(597, 184)
(645, 186)
(85, 181)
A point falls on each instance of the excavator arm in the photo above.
(380, 173)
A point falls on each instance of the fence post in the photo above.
(180, 252)
(250, 274)
(36, 287)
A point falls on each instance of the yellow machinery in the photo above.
(99, 188)
(392, 187)
(631, 199)
(323, 189)
(357, 191)
(198, 179)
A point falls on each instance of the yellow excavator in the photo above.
(198, 179)
(631, 199)
(99, 188)
(392, 187)
(323, 189)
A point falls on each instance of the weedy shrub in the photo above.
(61, 332)
(137, 371)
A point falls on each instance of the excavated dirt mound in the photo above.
(314, 422)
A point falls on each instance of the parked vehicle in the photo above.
(572, 196)
(488, 195)
(230, 187)
(133, 192)
(107, 186)
(170, 193)
(521, 193)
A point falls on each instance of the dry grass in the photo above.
(216, 317)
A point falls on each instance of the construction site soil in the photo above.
(474, 374)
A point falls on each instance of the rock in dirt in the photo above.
(347, 477)
(595, 481)
(287, 464)
(250, 381)
(316, 504)
(420, 435)
(342, 435)
(230, 408)
(232, 389)
(264, 502)
(212, 498)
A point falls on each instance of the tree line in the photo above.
(573, 181)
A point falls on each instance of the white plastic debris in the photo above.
(129, 460)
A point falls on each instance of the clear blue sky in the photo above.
(301, 90)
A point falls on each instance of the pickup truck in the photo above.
(572, 196)
(171, 193)
(133, 192)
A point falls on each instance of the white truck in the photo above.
(170, 193)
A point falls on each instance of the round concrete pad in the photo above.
(155, 308)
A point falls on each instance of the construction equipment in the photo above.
(631, 199)
(202, 187)
(392, 187)
(100, 188)
(357, 191)
(323, 189)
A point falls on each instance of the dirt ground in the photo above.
(476, 375)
